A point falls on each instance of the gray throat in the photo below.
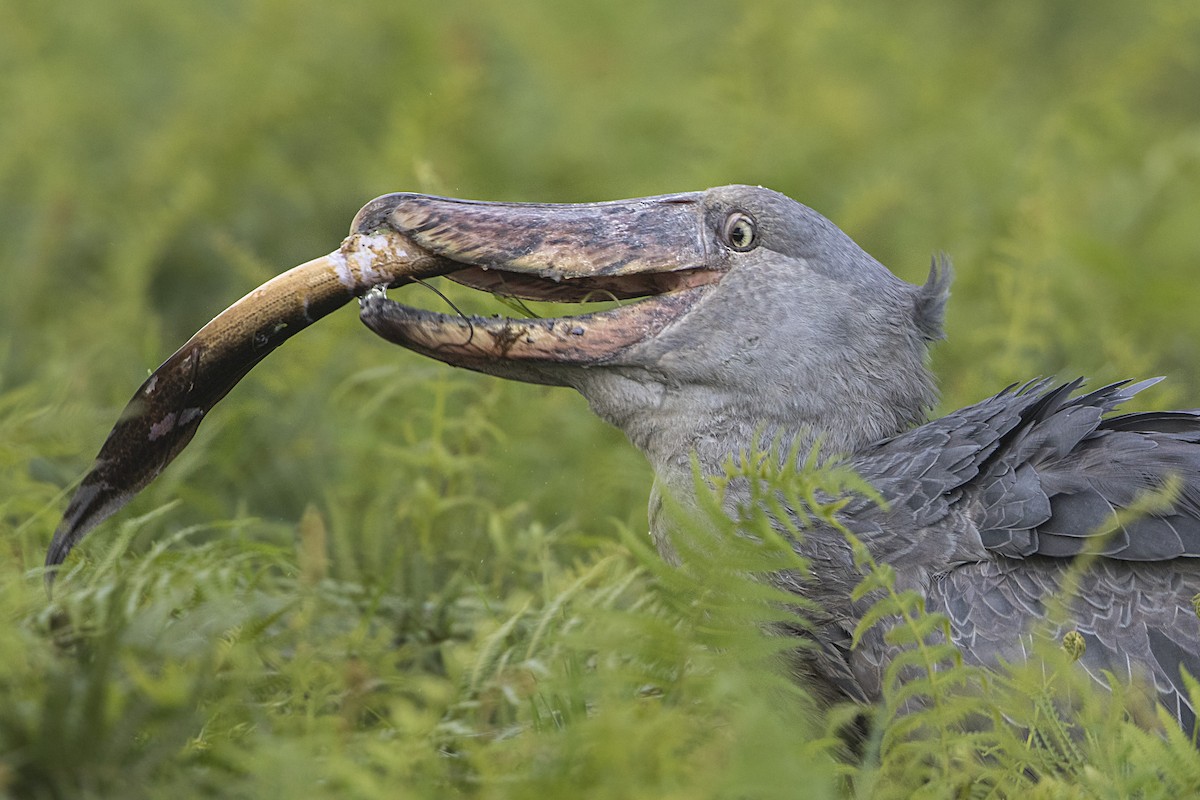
(678, 426)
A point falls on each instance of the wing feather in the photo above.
(988, 506)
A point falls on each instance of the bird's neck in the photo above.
(715, 434)
(672, 425)
(670, 441)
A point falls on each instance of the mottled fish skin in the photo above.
(167, 409)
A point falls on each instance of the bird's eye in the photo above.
(740, 232)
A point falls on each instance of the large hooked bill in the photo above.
(652, 247)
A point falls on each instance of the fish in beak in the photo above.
(165, 412)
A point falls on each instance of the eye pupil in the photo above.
(741, 233)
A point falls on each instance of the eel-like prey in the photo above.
(165, 412)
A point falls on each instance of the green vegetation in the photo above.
(374, 576)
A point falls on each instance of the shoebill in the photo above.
(752, 315)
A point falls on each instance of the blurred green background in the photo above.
(159, 160)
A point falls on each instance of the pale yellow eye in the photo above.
(740, 232)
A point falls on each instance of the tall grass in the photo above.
(371, 575)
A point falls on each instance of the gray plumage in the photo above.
(985, 507)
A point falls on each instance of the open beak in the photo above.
(652, 248)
